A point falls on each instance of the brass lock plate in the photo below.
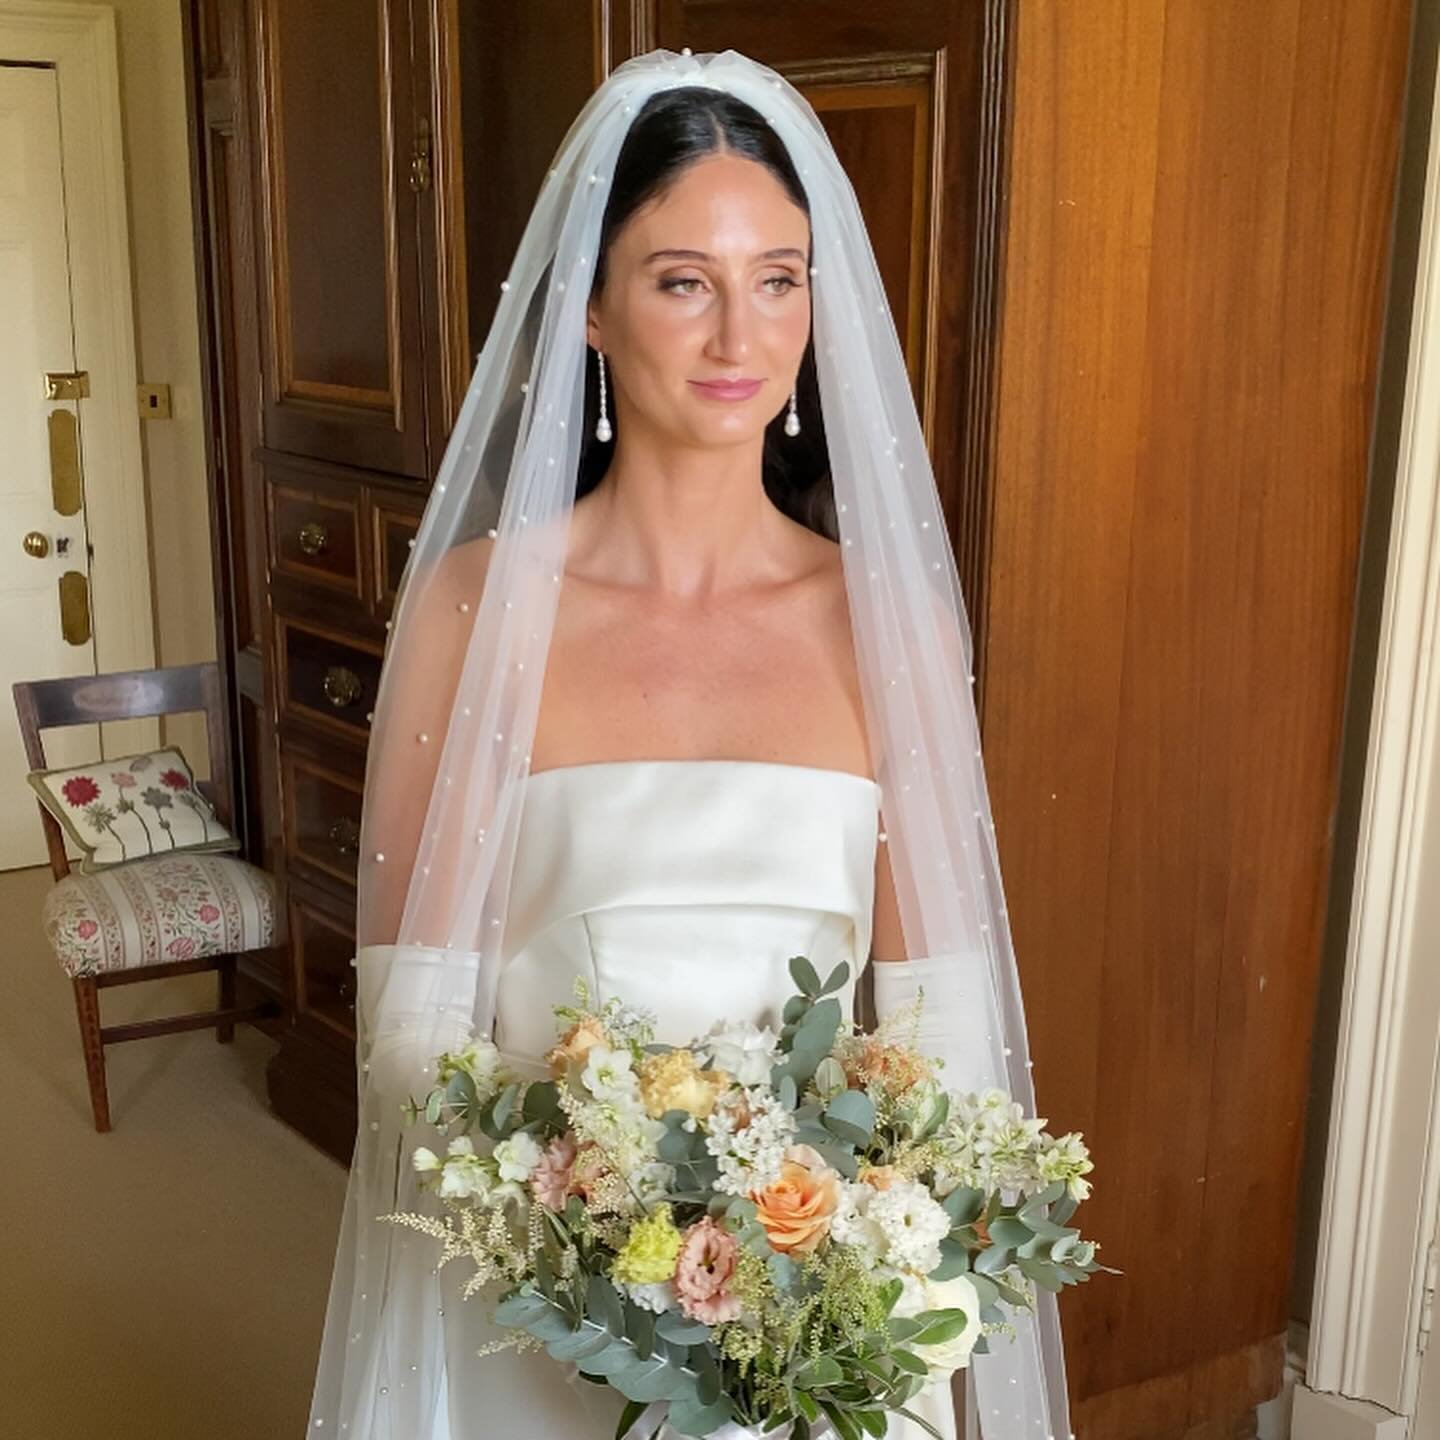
(67, 384)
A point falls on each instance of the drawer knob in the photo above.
(345, 836)
(342, 686)
(313, 538)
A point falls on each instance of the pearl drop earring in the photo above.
(603, 431)
(792, 420)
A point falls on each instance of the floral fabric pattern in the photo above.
(122, 810)
(176, 907)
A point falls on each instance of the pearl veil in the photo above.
(460, 692)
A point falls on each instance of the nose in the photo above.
(731, 341)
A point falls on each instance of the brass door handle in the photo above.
(313, 538)
(36, 544)
(342, 686)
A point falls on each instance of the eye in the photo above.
(787, 281)
(673, 283)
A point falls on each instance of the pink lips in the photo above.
(728, 389)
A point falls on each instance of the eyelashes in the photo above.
(674, 283)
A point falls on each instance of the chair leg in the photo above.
(87, 1007)
(225, 1029)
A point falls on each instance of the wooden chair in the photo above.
(122, 960)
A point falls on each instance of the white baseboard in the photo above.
(1319, 1415)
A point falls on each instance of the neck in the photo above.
(689, 522)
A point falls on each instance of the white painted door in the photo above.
(36, 336)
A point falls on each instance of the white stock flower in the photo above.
(424, 1159)
(749, 1131)
(913, 1224)
(957, 1293)
(466, 1175)
(744, 1051)
(852, 1225)
(608, 1074)
(657, 1297)
(517, 1156)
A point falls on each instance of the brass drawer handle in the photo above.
(313, 538)
(342, 686)
(345, 836)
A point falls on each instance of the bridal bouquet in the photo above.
(793, 1233)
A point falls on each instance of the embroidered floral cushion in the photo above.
(119, 810)
(175, 907)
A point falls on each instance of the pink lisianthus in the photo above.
(704, 1271)
(550, 1179)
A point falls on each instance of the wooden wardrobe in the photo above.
(1160, 648)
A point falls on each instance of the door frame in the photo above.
(80, 42)
(1382, 1168)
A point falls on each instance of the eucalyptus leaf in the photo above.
(909, 1362)
(672, 1325)
(817, 1374)
(795, 1007)
(783, 1270)
(579, 1344)
(692, 1418)
(602, 1305)
(505, 1107)
(1007, 1230)
(541, 1103)
(520, 1308)
(432, 1107)
(851, 1116)
(640, 1329)
(788, 1091)
(830, 1077)
(939, 1326)
(991, 1260)
(964, 1204)
(803, 973)
(836, 978)
(628, 1416)
(954, 1260)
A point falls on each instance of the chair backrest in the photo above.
(125, 695)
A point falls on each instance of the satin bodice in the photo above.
(684, 886)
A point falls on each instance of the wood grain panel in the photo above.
(1199, 212)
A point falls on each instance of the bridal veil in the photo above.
(460, 693)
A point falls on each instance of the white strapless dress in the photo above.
(683, 886)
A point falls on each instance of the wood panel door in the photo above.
(344, 167)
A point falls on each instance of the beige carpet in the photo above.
(166, 1281)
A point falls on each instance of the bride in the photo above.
(677, 688)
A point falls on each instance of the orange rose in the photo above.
(574, 1045)
(877, 1177)
(796, 1209)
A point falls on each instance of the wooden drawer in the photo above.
(322, 815)
(315, 536)
(325, 979)
(326, 677)
(394, 533)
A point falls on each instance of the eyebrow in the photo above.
(784, 253)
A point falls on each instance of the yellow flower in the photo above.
(650, 1251)
(575, 1044)
(674, 1081)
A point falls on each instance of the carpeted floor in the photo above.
(166, 1281)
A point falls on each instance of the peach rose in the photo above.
(796, 1209)
(574, 1045)
(877, 1177)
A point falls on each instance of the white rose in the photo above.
(743, 1050)
(957, 1293)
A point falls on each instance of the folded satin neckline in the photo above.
(604, 834)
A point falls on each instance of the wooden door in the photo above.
(342, 172)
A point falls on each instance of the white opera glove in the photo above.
(414, 1002)
(959, 1022)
